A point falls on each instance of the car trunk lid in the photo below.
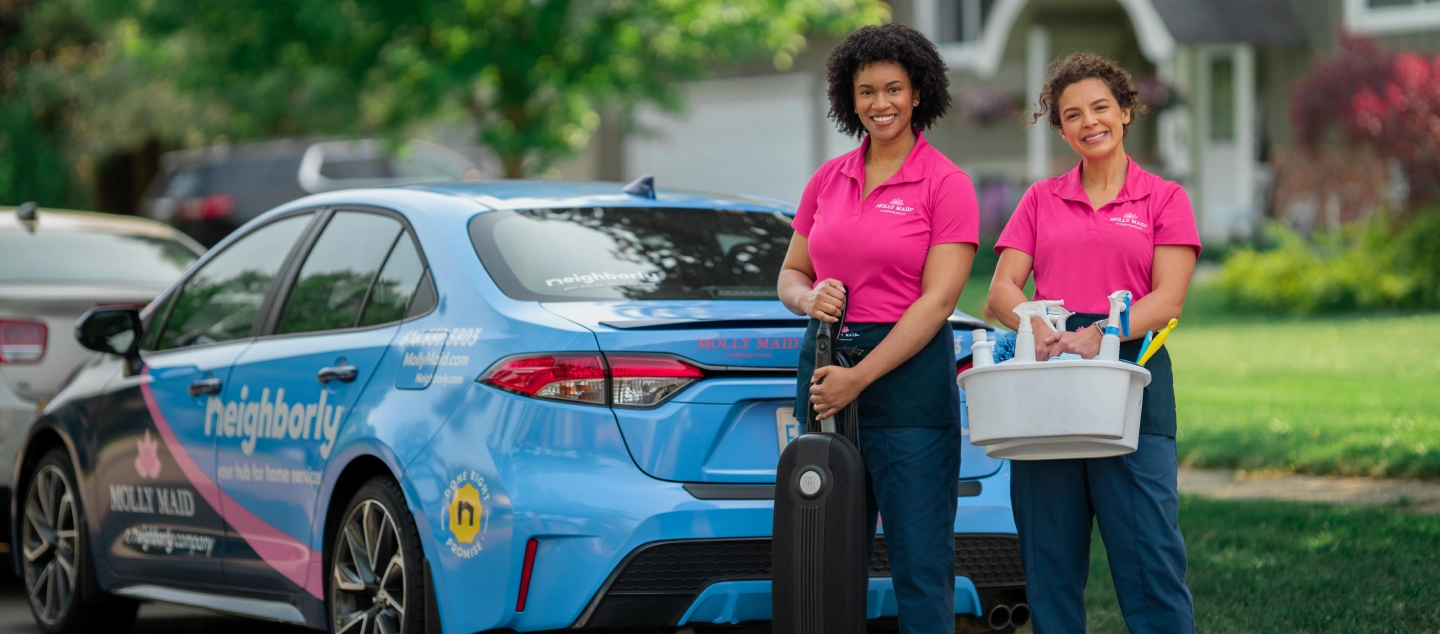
(730, 426)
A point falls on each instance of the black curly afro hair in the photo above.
(887, 43)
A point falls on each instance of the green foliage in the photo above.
(532, 75)
(1285, 567)
(1365, 266)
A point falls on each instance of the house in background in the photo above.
(1217, 73)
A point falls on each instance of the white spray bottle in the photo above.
(1025, 336)
(1118, 325)
(982, 350)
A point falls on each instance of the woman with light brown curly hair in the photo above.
(1107, 225)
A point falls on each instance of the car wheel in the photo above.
(376, 584)
(56, 562)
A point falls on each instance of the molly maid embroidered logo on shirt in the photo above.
(1129, 220)
(896, 206)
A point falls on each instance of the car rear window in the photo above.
(590, 254)
(85, 257)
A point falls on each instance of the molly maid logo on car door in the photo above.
(895, 206)
(147, 457)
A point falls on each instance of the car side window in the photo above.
(337, 274)
(221, 300)
(396, 285)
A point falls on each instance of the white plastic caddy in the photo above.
(1055, 409)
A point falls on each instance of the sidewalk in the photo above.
(1414, 495)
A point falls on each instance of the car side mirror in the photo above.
(111, 329)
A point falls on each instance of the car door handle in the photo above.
(205, 386)
(342, 373)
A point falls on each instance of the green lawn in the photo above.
(1351, 395)
(1286, 567)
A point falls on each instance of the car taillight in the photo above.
(619, 380)
(21, 341)
(564, 377)
(206, 208)
(645, 381)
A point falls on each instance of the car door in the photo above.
(337, 315)
(159, 512)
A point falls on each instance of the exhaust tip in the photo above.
(1019, 614)
(999, 617)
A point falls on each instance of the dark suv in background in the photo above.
(209, 192)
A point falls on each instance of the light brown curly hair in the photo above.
(1077, 68)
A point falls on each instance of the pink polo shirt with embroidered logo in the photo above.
(1084, 255)
(877, 246)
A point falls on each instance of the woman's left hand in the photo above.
(840, 388)
(1085, 343)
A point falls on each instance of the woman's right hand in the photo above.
(825, 301)
(1044, 348)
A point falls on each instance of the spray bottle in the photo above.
(1056, 314)
(1118, 325)
(1025, 336)
(982, 350)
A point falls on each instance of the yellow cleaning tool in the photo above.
(1159, 340)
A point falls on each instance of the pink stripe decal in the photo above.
(284, 553)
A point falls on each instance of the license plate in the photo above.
(786, 426)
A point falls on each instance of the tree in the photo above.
(533, 75)
(1390, 101)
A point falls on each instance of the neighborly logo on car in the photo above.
(252, 420)
(465, 516)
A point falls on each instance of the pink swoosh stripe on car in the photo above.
(284, 553)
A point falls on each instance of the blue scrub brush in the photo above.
(1004, 349)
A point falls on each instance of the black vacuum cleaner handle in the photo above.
(825, 353)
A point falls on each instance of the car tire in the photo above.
(374, 580)
(55, 556)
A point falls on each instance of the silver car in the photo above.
(54, 266)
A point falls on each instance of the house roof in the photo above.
(1252, 21)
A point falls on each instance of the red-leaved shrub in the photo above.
(1388, 100)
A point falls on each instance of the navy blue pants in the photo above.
(1134, 499)
(911, 483)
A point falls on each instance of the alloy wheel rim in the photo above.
(49, 542)
(367, 591)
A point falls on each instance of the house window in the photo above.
(962, 21)
(1382, 17)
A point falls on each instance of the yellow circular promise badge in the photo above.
(465, 514)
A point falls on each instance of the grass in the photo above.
(1344, 395)
(1350, 395)
(1288, 567)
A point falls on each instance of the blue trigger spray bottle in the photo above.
(1118, 325)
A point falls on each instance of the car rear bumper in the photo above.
(561, 476)
(700, 560)
(664, 584)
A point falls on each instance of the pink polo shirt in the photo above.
(1084, 255)
(877, 246)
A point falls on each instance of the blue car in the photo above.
(509, 405)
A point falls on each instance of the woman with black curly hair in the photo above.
(891, 229)
(1107, 225)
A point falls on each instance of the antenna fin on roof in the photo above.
(643, 187)
(28, 214)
